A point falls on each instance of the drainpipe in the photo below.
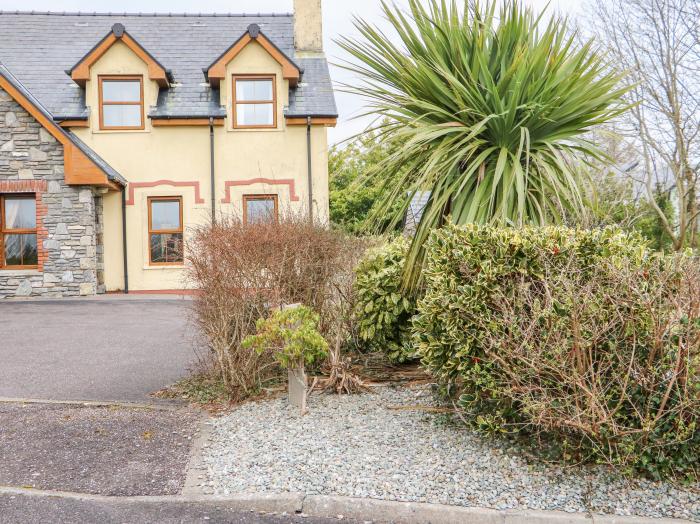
(309, 173)
(126, 263)
(211, 170)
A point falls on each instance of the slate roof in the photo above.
(414, 213)
(108, 170)
(39, 47)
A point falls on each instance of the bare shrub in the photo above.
(243, 271)
(606, 361)
(582, 342)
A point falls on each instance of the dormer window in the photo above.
(254, 102)
(121, 102)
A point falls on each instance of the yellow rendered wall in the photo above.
(112, 241)
(181, 154)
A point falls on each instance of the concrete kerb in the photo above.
(196, 468)
(360, 509)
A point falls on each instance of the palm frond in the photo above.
(490, 105)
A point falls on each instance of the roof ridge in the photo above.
(165, 15)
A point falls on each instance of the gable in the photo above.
(80, 168)
(290, 71)
(80, 72)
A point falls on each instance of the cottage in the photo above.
(121, 133)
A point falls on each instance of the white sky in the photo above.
(337, 21)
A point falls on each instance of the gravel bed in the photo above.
(358, 446)
(101, 450)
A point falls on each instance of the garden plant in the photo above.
(490, 106)
(584, 341)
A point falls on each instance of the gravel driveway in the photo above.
(107, 348)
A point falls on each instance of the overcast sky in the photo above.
(337, 21)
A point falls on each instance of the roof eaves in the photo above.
(112, 174)
(311, 114)
(188, 116)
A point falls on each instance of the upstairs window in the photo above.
(254, 102)
(165, 231)
(18, 237)
(260, 209)
(121, 102)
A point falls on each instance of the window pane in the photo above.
(20, 213)
(260, 210)
(165, 215)
(166, 248)
(254, 90)
(254, 115)
(121, 116)
(121, 91)
(21, 250)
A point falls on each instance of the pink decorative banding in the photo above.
(270, 181)
(138, 185)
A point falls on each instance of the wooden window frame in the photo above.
(248, 198)
(234, 80)
(4, 231)
(102, 103)
(152, 232)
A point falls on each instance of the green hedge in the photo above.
(582, 338)
(383, 312)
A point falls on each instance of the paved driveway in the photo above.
(107, 348)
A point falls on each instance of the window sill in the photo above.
(256, 129)
(119, 131)
(20, 273)
(163, 268)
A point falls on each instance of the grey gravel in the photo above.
(357, 446)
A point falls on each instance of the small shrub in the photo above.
(583, 339)
(382, 310)
(243, 272)
(292, 336)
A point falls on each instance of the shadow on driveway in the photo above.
(110, 348)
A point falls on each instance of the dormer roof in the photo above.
(80, 72)
(217, 70)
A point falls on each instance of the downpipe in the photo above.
(124, 243)
(309, 172)
(212, 172)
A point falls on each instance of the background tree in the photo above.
(489, 109)
(615, 197)
(657, 42)
(352, 196)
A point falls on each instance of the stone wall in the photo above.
(31, 160)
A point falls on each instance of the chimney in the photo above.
(308, 26)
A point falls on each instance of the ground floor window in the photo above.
(18, 234)
(260, 208)
(165, 231)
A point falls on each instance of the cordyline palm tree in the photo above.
(491, 108)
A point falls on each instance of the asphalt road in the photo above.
(110, 348)
(112, 451)
(18, 509)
